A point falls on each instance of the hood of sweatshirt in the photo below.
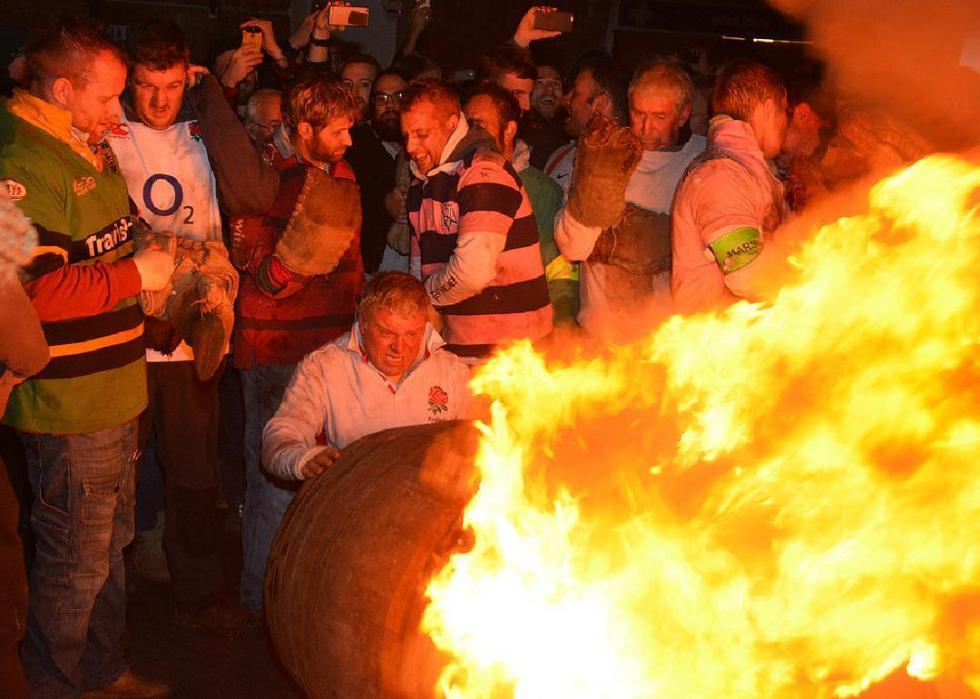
(463, 142)
(738, 140)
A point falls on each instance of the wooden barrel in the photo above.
(344, 589)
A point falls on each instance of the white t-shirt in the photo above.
(559, 166)
(651, 187)
(169, 177)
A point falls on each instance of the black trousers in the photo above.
(182, 418)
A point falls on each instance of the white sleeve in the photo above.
(289, 438)
(469, 271)
(575, 240)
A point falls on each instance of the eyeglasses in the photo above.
(381, 99)
(271, 126)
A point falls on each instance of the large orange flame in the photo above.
(774, 501)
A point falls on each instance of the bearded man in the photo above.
(298, 250)
(376, 146)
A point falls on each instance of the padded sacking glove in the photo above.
(605, 158)
(324, 221)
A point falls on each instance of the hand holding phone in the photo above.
(554, 21)
(252, 36)
(542, 22)
(348, 16)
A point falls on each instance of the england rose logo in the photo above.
(438, 402)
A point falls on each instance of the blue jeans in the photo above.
(82, 519)
(266, 498)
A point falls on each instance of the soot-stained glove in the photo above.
(23, 348)
(639, 243)
(605, 159)
(324, 221)
(199, 300)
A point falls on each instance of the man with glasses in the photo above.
(263, 117)
(373, 155)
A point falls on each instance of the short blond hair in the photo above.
(394, 291)
(437, 92)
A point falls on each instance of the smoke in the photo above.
(903, 57)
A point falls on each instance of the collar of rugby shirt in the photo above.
(430, 343)
(54, 121)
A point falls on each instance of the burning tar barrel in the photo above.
(348, 569)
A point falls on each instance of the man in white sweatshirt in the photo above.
(389, 371)
(620, 298)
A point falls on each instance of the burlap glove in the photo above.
(605, 158)
(23, 348)
(18, 238)
(399, 235)
(322, 226)
(639, 243)
(200, 298)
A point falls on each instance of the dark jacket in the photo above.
(375, 171)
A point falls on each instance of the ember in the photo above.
(774, 501)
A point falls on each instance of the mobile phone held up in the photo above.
(348, 16)
(252, 35)
(554, 21)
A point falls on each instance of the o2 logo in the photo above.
(178, 198)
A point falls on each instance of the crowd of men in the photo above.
(351, 240)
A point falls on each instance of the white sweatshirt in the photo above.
(651, 187)
(336, 390)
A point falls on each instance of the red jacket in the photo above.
(282, 316)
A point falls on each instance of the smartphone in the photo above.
(554, 21)
(342, 16)
(463, 76)
(252, 35)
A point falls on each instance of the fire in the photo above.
(780, 500)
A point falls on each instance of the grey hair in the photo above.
(395, 291)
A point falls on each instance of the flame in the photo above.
(779, 500)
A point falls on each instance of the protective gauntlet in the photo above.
(322, 226)
(200, 298)
(606, 156)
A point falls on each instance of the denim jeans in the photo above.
(82, 519)
(266, 498)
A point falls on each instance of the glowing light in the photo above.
(777, 501)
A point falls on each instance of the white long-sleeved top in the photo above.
(602, 307)
(336, 390)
